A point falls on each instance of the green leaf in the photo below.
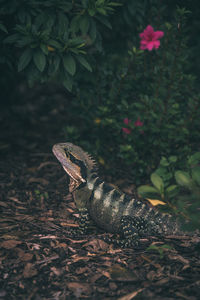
(84, 62)
(146, 190)
(67, 82)
(115, 4)
(91, 12)
(100, 2)
(157, 182)
(54, 43)
(194, 159)
(93, 30)
(25, 59)
(39, 60)
(84, 24)
(44, 48)
(104, 21)
(152, 247)
(160, 249)
(164, 162)
(62, 23)
(3, 28)
(75, 24)
(183, 178)
(76, 42)
(173, 159)
(69, 64)
(172, 190)
(101, 11)
(11, 39)
(156, 248)
(56, 63)
(196, 174)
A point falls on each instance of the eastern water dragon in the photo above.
(107, 207)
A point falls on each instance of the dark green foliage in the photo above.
(154, 87)
(180, 189)
(48, 39)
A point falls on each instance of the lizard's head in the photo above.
(76, 163)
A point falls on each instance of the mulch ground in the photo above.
(38, 257)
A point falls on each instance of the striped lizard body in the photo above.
(107, 207)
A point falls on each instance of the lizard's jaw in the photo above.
(73, 175)
(73, 185)
(70, 168)
(74, 181)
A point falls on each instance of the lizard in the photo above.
(107, 207)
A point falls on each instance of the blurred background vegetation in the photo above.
(92, 48)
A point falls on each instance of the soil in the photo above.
(39, 259)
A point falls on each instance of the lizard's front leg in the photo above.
(84, 221)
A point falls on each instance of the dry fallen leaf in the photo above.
(38, 180)
(155, 202)
(79, 288)
(179, 258)
(162, 281)
(9, 244)
(76, 258)
(46, 163)
(82, 270)
(97, 244)
(56, 271)
(119, 273)
(131, 295)
(15, 200)
(24, 256)
(29, 271)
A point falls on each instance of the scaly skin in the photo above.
(107, 207)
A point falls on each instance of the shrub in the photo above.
(140, 105)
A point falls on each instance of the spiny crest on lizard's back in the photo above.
(77, 153)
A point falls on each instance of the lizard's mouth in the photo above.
(73, 185)
(75, 181)
(73, 175)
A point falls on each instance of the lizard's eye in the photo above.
(67, 154)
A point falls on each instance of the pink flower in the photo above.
(138, 123)
(149, 38)
(127, 121)
(126, 130)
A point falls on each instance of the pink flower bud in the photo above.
(138, 123)
(127, 121)
(126, 130)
